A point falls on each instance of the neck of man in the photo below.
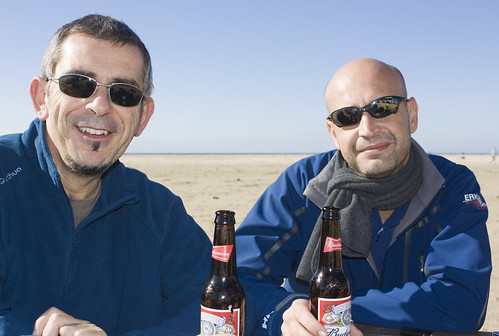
(385, 214)
(79, 187)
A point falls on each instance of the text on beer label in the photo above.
(335, 315)
(332, 244)
(221, 252)
(218, 321)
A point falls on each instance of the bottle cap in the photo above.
(225, 217)
(330, 212)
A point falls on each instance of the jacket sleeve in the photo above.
(269, 248)
(457, 270)
(186, 262)
(11, 323)
(186, 267)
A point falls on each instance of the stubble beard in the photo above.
(83, 169)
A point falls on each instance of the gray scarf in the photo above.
(356, 196)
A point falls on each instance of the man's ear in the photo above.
(147, 111)
(412, 109)
(38, 93)
(332, 132)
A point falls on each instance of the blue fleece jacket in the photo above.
(436, 270)
(136, 265)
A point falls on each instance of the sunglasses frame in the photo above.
(97, 84)
(368, 108)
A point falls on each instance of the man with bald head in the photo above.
(415, 244)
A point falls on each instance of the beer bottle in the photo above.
(223, 299)
(329, 287)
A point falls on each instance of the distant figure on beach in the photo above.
(413, 225)
(493, 153)
(88, 246)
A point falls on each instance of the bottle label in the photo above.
(221, 252)
(332, 245)
(216, 321)
(335, 315)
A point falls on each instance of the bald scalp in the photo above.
(363, 78)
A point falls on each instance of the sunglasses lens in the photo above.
(125, 95)
(347, 116)
(77, 86)
(383, 108)
(379, 108)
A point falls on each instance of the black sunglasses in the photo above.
(378, 108)
(81, 86)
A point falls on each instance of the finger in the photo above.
(295, 329)
(40, 324)
(308, 320)
(84, 328)
(299, 317)
(56, 322)
(354, 331)
(43, 320)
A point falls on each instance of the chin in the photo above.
(86, 167)
(379, 169)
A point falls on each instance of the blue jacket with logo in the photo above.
(436, 272)
(136, 265)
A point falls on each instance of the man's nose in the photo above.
(101, 103)
(368, 125)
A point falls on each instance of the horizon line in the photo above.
(273, 153)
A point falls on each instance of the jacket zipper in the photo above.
(72, 263)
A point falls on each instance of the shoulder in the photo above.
(151, 202)
(19, 149)
(461, 185)
(294, 180)
(139, 182)
(10, 147)
(13, 162)
(310, 166)
(452, 171)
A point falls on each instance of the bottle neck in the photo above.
(223, 262)
(330, 253)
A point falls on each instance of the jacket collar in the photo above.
(115, 189)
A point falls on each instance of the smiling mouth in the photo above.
(93, 131)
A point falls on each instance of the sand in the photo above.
(208, 183)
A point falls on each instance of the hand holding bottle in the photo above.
(298, 320)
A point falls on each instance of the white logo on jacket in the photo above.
(476, 200)
(10, 175)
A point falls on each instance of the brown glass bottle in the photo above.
(329, 287)
(223, 299)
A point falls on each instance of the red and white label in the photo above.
(332, 244)
(221, 252)
(335, 315)
(216, 321)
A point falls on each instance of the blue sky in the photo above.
(248, 76)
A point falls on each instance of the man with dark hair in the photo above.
(413, 225)
(87, 245)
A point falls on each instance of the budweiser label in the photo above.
(221, 252)
(216, 321)
(332, 244)
(335, 315)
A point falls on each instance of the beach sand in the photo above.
(207, 183)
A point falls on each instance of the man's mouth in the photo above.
(93, 131)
